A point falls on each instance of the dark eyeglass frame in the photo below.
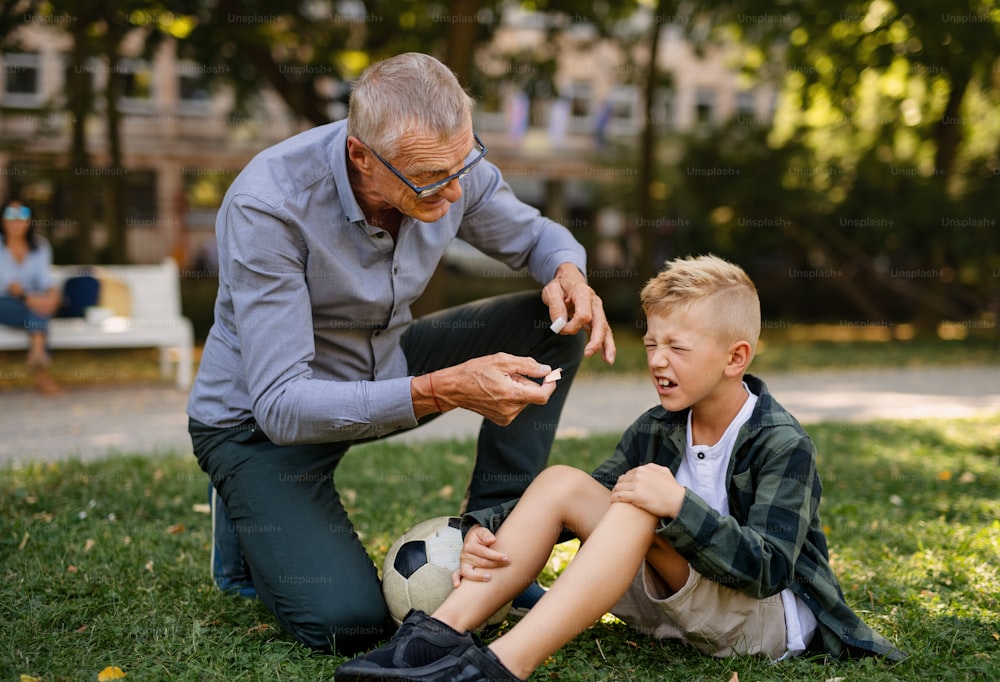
(434, 187)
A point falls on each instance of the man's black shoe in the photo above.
(473, 664)
(419, 641)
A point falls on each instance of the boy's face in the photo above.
(685, 357)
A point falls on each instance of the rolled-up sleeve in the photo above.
(273, 322)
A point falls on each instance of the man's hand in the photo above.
(651, 487)
(477, 557)
(495, 386)
(570, 297)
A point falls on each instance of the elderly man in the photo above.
(325, 240)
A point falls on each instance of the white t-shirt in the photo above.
(703, 471)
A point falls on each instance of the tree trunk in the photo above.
(80, 93)
(647, 156)
(948, 131)
(115, 202)
(115, 186)
(461, 39)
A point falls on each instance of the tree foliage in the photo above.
(875, 185)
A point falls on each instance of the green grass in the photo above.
(105, 563)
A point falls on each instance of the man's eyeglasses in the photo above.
(435, 187)
(17, 213)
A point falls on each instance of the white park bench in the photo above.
(153, 319)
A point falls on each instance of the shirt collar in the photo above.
(341, 180)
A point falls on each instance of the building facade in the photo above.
(182, 141)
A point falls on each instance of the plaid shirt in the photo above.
(772, 539)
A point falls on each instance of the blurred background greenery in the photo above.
(846, 153)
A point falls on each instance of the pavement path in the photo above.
(89, 423)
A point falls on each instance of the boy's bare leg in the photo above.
(593, 582)
(668, 564)
(616, 540)
(559, 497)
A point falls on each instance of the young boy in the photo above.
(703, 526)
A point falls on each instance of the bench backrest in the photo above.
(154, 290)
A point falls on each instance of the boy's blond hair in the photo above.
(735, 306)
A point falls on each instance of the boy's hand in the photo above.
(477, 557)
(651, 487)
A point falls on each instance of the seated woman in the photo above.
(28, 298)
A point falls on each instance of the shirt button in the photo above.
(701, 455)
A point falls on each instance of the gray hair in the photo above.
(411, 92)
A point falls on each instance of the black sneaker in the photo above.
(473, 664)
(420, 641)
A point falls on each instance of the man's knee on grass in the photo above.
(342, 629)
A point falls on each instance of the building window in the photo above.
(22, 79)
(193, 88)
(621, 114)
(581, 93)
(745, 104)
(664, 100)
(136, 85)
(704, 106)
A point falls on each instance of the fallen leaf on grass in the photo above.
(112, 672)
(201, 508)
(149, 566)
(82, 629)
(29, 678)
(88, 545)
(72, 569)
(24, 541)
(176, 529)
(735, 677)
(260, 629)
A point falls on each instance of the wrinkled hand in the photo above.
(650, 487)
(570, 297)
(477, 557)
(495, 386)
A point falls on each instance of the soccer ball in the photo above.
(418, 567)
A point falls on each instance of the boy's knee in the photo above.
(562, 479)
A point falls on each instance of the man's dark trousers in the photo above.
(306, 562)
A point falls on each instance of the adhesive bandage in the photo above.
(558, 325)
(554, 375)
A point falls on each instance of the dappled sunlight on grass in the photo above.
(106, 562)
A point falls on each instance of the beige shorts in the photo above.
(715, 619)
